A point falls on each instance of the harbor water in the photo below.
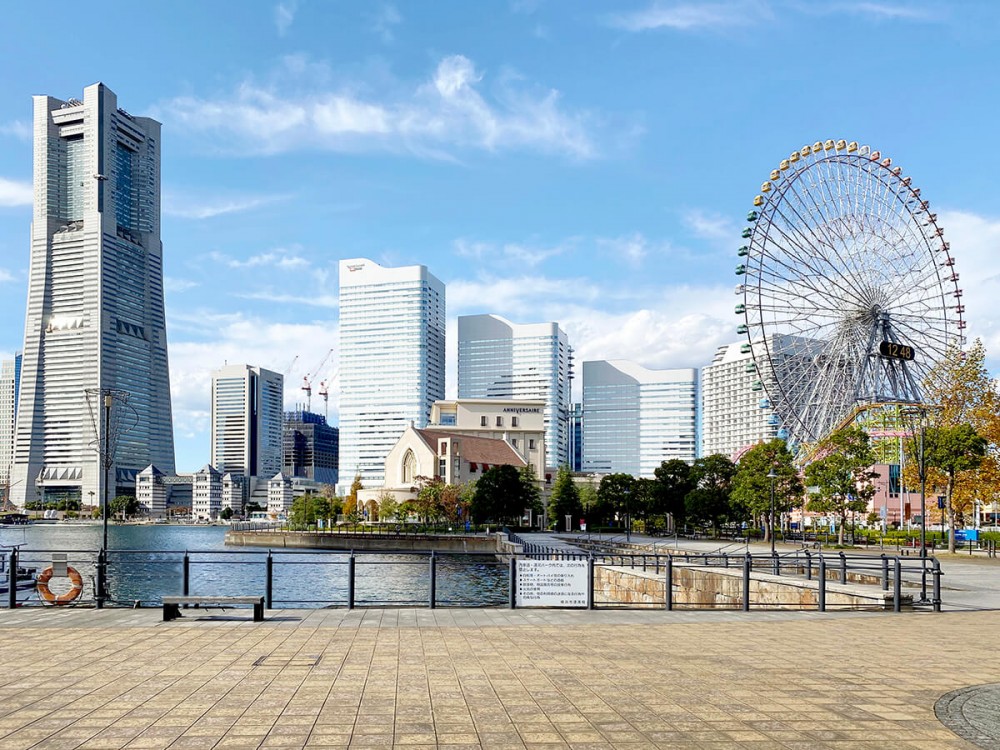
(147, 562)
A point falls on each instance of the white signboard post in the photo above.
(551, 583)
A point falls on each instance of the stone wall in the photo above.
(701, 586)
(376, 542)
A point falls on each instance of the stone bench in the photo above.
(172, 604)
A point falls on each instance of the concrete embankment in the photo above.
(277, 539)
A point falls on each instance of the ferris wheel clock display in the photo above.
(848, 291)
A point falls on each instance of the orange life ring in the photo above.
(42, 584)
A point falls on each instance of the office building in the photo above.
(634, 418)
(392, 348)
(246, 421)
(576, 438)
(94, 323)
(10, 380)
(310, 448)
(500, 359)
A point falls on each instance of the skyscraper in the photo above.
(392, 337)
(247, 421)
(95, 301)
(310, 447)
(634, 419)
(10, 379)
(500, 359)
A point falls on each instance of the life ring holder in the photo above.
(45, 594)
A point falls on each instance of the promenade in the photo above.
(121, 678)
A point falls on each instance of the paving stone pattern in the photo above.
(79, 678)
(973, 713)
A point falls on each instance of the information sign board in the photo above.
(551, 583)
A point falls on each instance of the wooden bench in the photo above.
(172, 604)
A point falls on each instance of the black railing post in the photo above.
(12, 578)
(668, 585)
(885, 572)
(512, 586)
(809, 565)
(590, 580)
(102, 578)
(843, 568)
(350, 581)
(937, 585)
(897, 585)
(433, 579)
(186, 579)
(821, 598)
(269, 581)
(747, 562)
(776, 563)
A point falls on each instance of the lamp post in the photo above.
(628, 515)
(772, 476)
(920, 412)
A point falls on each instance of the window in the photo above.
(472, 467)
(513, 421)
(484, 422)
(443, 448)
(499, 421)
(409, 467)
(442, 468)
(514, 442)
(531, 444)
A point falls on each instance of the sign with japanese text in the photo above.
(551, 583)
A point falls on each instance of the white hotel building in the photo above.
(247, 414)
(392, 361)
(10, 378)
(634, 418)
(500, 359)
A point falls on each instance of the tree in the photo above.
(842, 475)
(672, 484)
(253, 507)
(125, 506)
(709, 501)
(530, 491)
(388, 507)
(351, 501)
(498, 495)
(564, 499)
(615, 491)
(752, 487)
(954, 451)
(226, 514)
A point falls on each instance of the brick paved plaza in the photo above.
(120, 678)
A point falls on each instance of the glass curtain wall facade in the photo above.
(10, 379)
(392, 361)
(95, 319)
(634, 419)
(500, 359)
(310, 447)
(247, 418)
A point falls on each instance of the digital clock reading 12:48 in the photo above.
(895, 351)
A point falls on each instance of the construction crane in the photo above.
(288, 370)
(307, 381)
(324, 391)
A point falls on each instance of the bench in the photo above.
(172, 604)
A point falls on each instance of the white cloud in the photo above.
(303, 298)
(13, 193)
(885, 11)
(632, 248)
(5, 276)
(448, 111)
(18, 129)
(512, 253)
(172, 284)
(714, 227)
(284, 14)
(279, 258)
(386, 18)
(188, 207)
(689, 16)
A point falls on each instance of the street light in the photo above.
(912, 414)
(772, 476)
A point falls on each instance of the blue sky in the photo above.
(590, 163)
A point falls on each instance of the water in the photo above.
(146, 563)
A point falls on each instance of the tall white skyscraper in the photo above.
(634, 419)
(10, 379)
(247, 413)
(500, 359)
(95, 301)
(392, 337)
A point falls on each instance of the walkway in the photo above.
(120, 678)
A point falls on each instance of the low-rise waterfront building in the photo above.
(206, 494)
(280, 495)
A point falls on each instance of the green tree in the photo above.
(498, 495)
(842, 475)
(388, 507)
(125, 506)
(564, 499)
(226, 514)
(709, 503)
(953, 451)
(673, 483)
(531, 493)
(253, 507)
(752, 487)
(617, 491)
(350, 506)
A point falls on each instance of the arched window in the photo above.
(409, 467)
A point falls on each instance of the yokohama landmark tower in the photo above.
(95, 322)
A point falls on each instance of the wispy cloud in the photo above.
(5, 276)
(187, 207)
(886, 11)
(448, 111)
(17, 128)
(304, 298)
(711, 226)
(386, 19)
(280, 258)
(631, 248)
(512, 253)
(14, 193)
(284, 15)
(173, 284)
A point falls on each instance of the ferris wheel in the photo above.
(849, 291)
